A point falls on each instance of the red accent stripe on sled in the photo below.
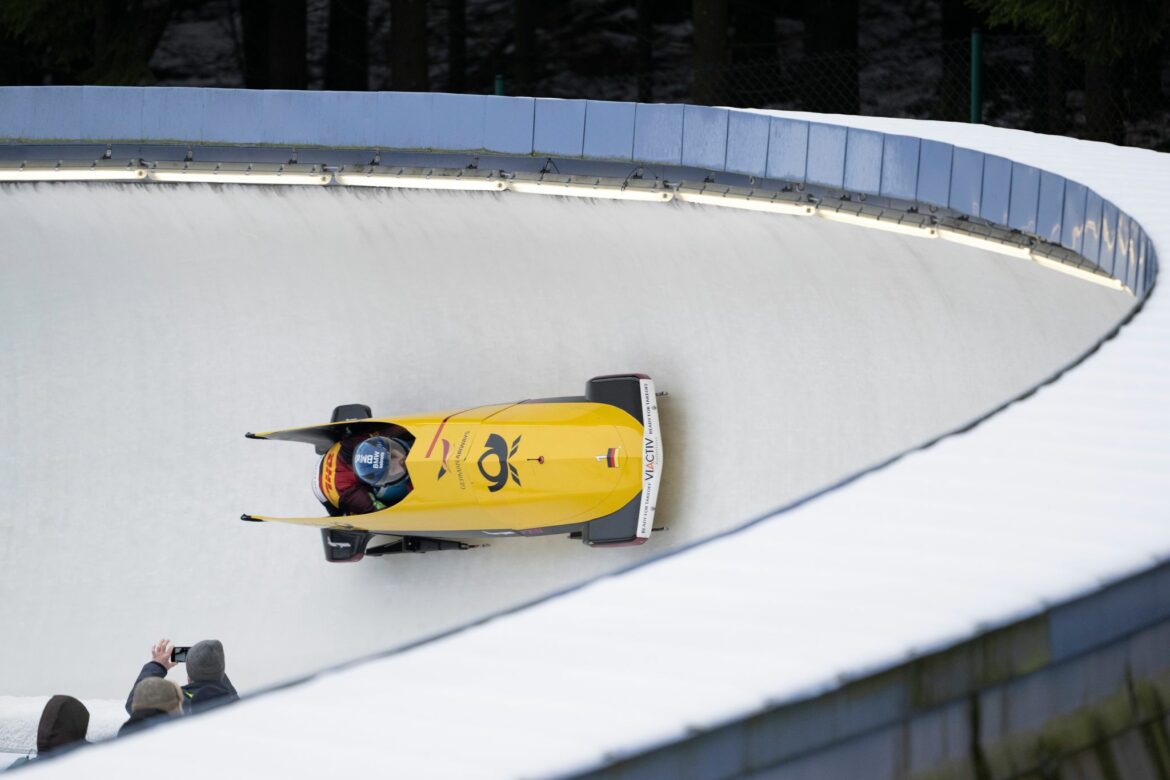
(431, 448)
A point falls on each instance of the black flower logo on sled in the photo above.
(497, 447)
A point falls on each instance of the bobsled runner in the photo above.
(588, 466)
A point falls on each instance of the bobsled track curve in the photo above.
(145, 329)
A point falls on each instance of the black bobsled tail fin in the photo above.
(618, 529)
(621, 390)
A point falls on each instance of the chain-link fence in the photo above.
(1025, 84)
(901, 68)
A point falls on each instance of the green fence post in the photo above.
(499, 84)
(976, 76)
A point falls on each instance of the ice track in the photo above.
(144, 330)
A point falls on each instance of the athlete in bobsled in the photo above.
(364, 473)
(587, 466)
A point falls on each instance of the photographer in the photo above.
(207, 683)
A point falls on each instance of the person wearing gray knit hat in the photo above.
(205, 661)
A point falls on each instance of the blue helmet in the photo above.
(374, 461)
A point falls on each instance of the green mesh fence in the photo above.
(1026, 85)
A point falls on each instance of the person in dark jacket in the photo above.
(152, 698)
(64, 722)
(207, 683)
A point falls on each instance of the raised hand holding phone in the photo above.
(161, 653)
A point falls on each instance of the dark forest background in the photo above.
(1091, 68)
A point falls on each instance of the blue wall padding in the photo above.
(289, 117)
(230, 117)
(1072, 235)
(784, 733)
(559, 127)
(457, 121)
(111, 112)
(997, 189)
(863, 161)
(747, 143)
(173, 114)
(1122, 255)
(966, 181)
(1136, 238)
(1136, 241)
(704, 137)
(658, 132)
(1149, 261)
(55, 115)
(1050, 210)
(934, 173)
(507, 124)
(1025, 198)
(351, 118)
(1108, 254)
(1146, 261)
(900, 155)
(1091, 245)
(15, 107)
(788, 149)
(826, 155)
(609, 130)
(404, 120)
(1078, 626)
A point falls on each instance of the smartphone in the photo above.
(179, 654)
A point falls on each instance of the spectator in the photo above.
(152, 698)
(64, 722)
(207, 684)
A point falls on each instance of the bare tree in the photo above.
(408, 46)
(347, 58)
(710, 50)
(456, 45)
(831, 71)
(645, 10)
(287, 40)
(254, 24)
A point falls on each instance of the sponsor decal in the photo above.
(610, 457)
(500, 533)
(329, 475)
(443, 464)
(496, 447)
(459, 459)
(332, 543)
(375, 459)
(650, 459)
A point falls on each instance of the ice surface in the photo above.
(142, 331)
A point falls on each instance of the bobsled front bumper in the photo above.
(633, 523)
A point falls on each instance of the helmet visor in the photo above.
(380, 460)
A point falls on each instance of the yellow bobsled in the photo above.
(588, 466)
